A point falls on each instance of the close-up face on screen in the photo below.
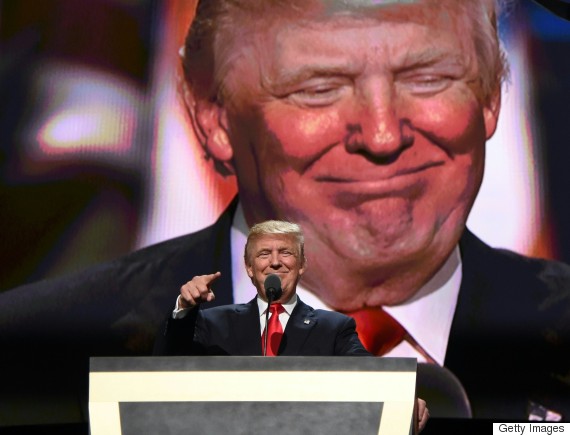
(420, 146)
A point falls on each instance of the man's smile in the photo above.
(375, 175)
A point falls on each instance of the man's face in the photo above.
(367, 130)
(275, 254)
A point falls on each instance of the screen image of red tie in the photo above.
(378, 331)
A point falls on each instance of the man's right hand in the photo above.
(197, 290)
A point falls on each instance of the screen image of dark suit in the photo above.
(235, 330)
(508, 344)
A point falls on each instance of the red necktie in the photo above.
(378, 331)
(274, 330)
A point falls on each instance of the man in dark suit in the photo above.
(366, 123)
(273, 248)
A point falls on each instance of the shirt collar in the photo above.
(428, 315)
(288, 306)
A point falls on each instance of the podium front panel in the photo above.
(252, 395)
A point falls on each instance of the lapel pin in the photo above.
(307, 321)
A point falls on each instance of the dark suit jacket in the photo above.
(510, 335)
(235, 330)
(509, 342)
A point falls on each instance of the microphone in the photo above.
(439, 387)
(273, 289)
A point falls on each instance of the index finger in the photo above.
(212, 277)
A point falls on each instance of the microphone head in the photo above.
(272, 285)
(441, 389)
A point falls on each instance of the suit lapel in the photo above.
(247, 332)
(300, 324)
(481, 334)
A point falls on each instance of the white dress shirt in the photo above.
(283, 317)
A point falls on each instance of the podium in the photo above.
(252, 395)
